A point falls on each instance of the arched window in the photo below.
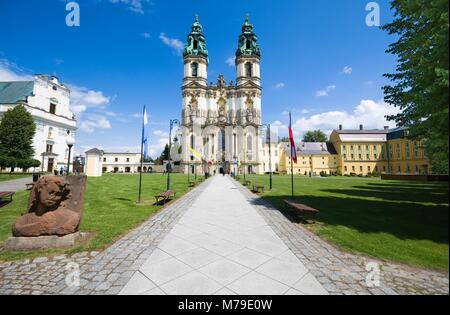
(247, 44)
(195, 44)
(248, 69)
(194, 69)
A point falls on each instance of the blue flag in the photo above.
(145, 134)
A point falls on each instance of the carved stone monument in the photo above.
(54, 213)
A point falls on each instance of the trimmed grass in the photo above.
(5, 177)
(400, 221)
(110, 210)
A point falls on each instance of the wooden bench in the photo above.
(29, 186)
(164, 196)
(6, 194)
(302, 210)
(258, 189)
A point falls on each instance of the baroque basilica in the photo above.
(221, 123)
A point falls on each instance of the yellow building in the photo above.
(312, 159)
(359, 152)
(363, 152)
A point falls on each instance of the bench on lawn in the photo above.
(302, 209)
(164, 196)
(192, 184)
(29, 186)
(247, 183)
(258, 189)
(6, 194)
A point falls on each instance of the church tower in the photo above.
(248, 56)
(221, 122)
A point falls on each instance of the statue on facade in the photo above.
(55, 207)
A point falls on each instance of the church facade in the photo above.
(221, 122)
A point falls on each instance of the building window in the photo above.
(352, 156)
(353, 168)
(360, 156)
(345, 168)
(367, 156)
(116, 159)
(194, 69)
(104, 159)
(50, 133)
(345, 156)
(49, 148)
(248, 44)
(52, 108)
(361, 168)
(195, 44)
(368, 169)
(248, 69)
(128, 159)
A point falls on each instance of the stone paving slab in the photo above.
(222, 244)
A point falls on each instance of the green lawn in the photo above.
(394, 220)
(5, 177)
(110, 209)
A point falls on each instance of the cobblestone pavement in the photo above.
(109, 271)
(343, 273)
(15, 184)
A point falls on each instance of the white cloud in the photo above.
(146, 35)
(82, 99)
(280, 85)
(11, 72)
(134, 5)
(326, 91)
(347, 70)
(93, 122)
(231, 61)
(369, 113)
(174, 43)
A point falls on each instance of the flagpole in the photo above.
(142, 156)
(292, 162)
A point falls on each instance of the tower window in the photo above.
(247, 44)
(194, 68)
(248, 69)
(195, 44)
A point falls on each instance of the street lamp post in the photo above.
(70, 142)
(270, 156)
(169, 167)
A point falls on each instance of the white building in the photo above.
(48, 102)
(99, 162)
(221, 122)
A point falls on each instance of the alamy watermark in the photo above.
(373, 276)
(73, 17)
(72, 275)
(374, 17)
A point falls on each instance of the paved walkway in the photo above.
(217, 239)
(222, 245)
(15, 184)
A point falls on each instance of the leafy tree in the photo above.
(421, 82)
(17, 129)
(315, 136)
(164, 156)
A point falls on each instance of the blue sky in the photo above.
(319, 59)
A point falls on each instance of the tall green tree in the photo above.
(315, 136)
(17, 129)
(164, 156)
(420, 84)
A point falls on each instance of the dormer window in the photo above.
(52, 108)
(248, 69)
(194, 69)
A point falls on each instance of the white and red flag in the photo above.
(293, 148)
